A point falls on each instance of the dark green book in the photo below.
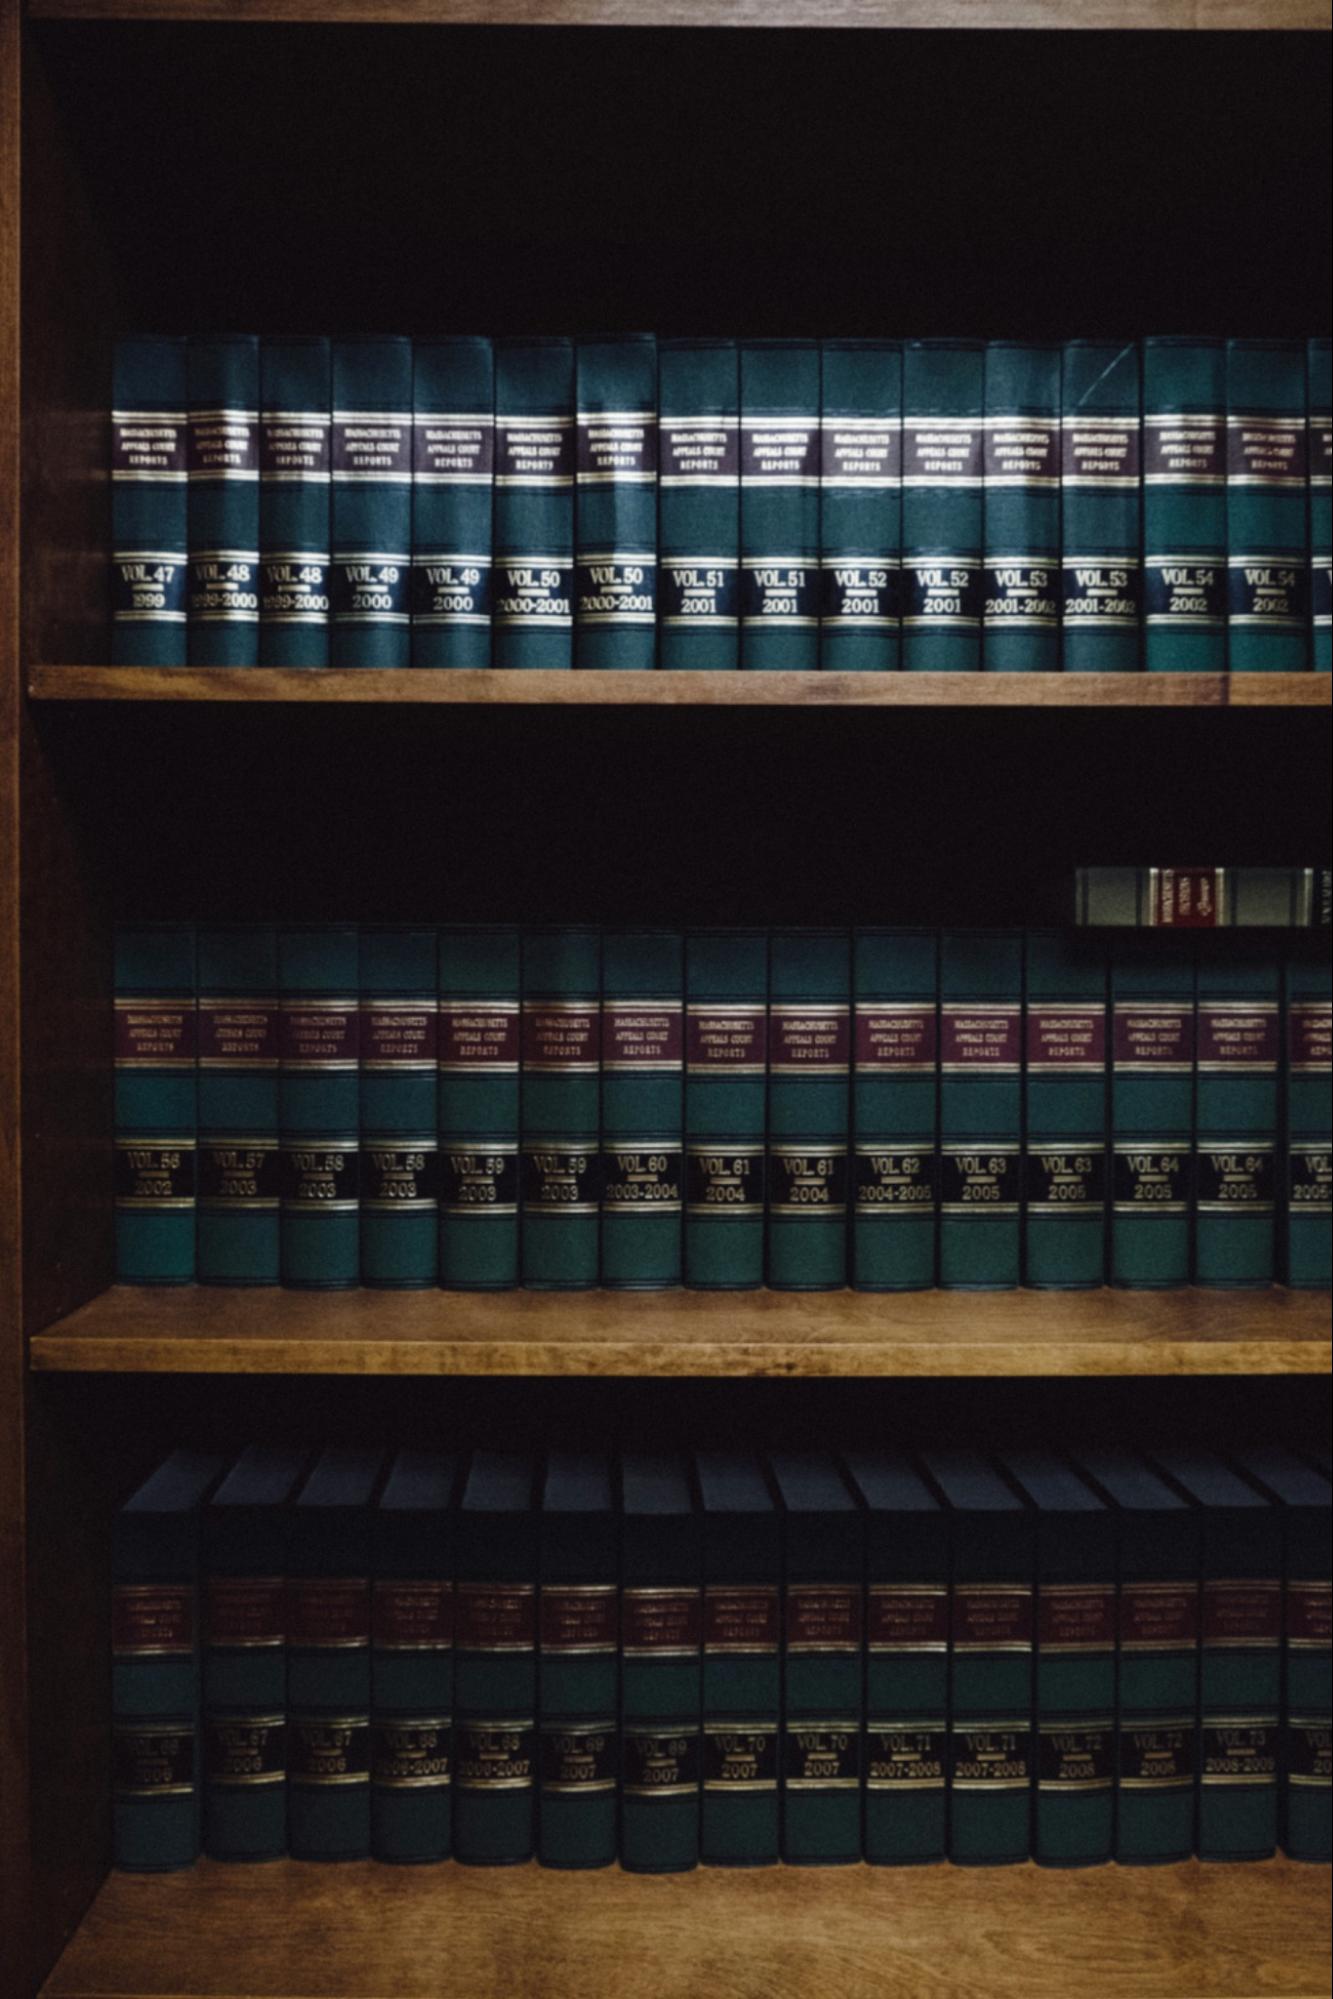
(155, 1103)
(412, 1660)
(533, 624)
(809, 1064)
(1268, 542)
(239, 1177)
(1319, 395)
(328, 1659)
(991, 1624)
(245, 1656)
(642, 1172)
(661, 1680)
(822, 1660)
(907, 1661)
(149, 502)
(155, 1806)
(943, 485)
(698, 504)
(615, 503)
(478, 1107)
(1076, 1661)
(1305, 1495)
(1021, 580)
(578, 1635)
(726, 1089)
(319, 1106)
(779, 464)
(1240, 1668)
(742, 1671)
(1184, 505)
(1152, 1114)
(295, 405)
(453, 465)
(981, 1108)
(1065, 1085)
(223, 452)
(1100, 478)
(371, 462)
(1309, 1118)
(860, 506)
(496, 1662)
(1236, 1122)
(399, 1153)
(1157, 1698)
(894, 1109)
(561, 1094)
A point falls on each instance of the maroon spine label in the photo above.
(1158, 1617)
(740, 1619)
(319, 1034)
(699, 450)
(823, 1617)
(328, 1613)
(1184, 449)
(1245, 1613)
(641, 1034)
(988, 1036)
(730, 1038)
(805, 1038)
(907, 1617)
(497, 1617)
(398, 1034)
(862, 451)
(1235, 1036)
(579, 1617)
(658, 1623)
(1023, 451)
(1309, 1036)
(247, 1610)
(1076, 1617)
(943, 451)
(155, 1034)
(1100, 451)
(1266, 450)
(1147, 1034)
(1070, 1039)
(895, 1037)
(1185, 898)
(564, 1036)
(413, 1614)
(238, 1034)
(152, 1759)
(479, 1036)
(152, 1620)
(1309, 1615)
(992, 1617)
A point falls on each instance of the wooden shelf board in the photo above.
(288, 1931)
(689, 1333)
(1172, 14)
(726, 689)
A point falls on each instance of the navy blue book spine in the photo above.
(371, 458)
(223, 450)
(149, 502)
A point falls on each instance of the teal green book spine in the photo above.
(1309, 1119)
(742, 1669)
(643, 1108)
(1236, 1095)
(453, 469)
(156, 1110)
(726, 1088)
(478, 1107)
(1065, 1083)
(1184, 506)
(533, 622)
(223, 451)
(319, 1107)
(1152, 1115)
(496, 1742)
(981, 1108)
(239, 1168)
(155, 1693)
(1268, 543)
(1319, 395)
(412, 1661)
(561, 1109)
(894, 1113)
(779, 466)
(943, 487)
(371, 462)
(661, 1686)
(809, 1110)
(295, 418)
(1020, 614)
(578, 1637)
(615, 503)
(1240, 1690)
(860, 506)
(1100, 498)
(698, 505)
(399, 1150)
(149, 502)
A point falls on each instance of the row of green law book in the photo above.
(857, 505)
(665, 1661)
(560, 1108)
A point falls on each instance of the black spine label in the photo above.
(1243, 1751)
(822, 1756)
(561, 1179)
(412, 1753)
(399, 1176)
(152, 1759)
(239, 1173)
(329, 1750)
(994, 1756)
(894, 1181)
(370, 588)
(151, 1173)
(294, 589)
(807, 1180)
(481, 1179)
(905, 1756)
(1159, 1756)
(644, 1181)
(740, 1756)
(1069, 1179)
(318, 1176)
(224, 586)
(779, 592)
(1151, 1178)
(1102, 595)
(1184, 592)
(148, 588)
(245, 1749)
(699, 590)
(660, 1762)
(1076, 1758)
(943, 593)
(977, 1178)
(725, 1180)
(861, 595)
(616, 589)
(579, 1757)
(1022, 593)
(534, 594)
(496, 1755)
(1309, 1751)
(451, 590)
(1234, 1177)
(1262, 591)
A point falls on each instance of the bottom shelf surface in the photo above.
(289, 1930)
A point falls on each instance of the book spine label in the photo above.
(894, 1166)
(328, 1785)
(318, 1110)
(561, 1044)
(371, 465)
(399, 1153)
(576, 1805)
(779, 468)
(642, 1171)
(533, 621)
(1152, 1126)
(1309, 1116)
(699, 506)
(1307, 1767)
(1236, 1143)
(659, 1813)
(245, 1779)
(981, 1052)
(860, 527)
(1021, 459)
(453, 466)
(238, 1159)
(726, 1068)
(1319, 391)
(411, 1787)
(149, 503)
(1100, 473)
(1267, 526)
(615, 570)
(943, 483)
(294, 566)
(155, 1106)
(1064, 1160)
(222, 451)
(478, 1109)
(1184, 506)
